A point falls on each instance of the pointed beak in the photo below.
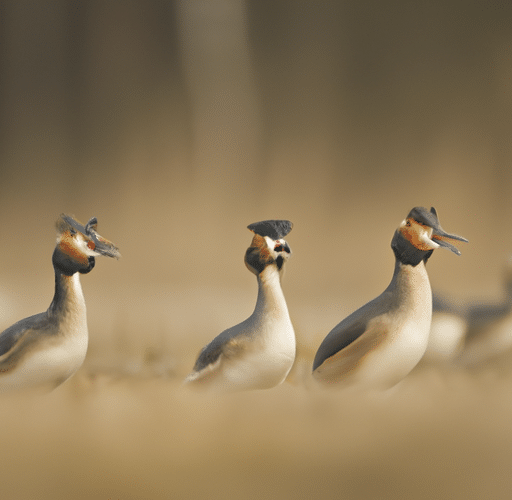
(442, 238)
(103, 246)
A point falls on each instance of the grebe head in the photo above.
(78, 245)
(419, 234)
(268, 246)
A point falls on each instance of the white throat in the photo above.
(74, 319)
(270, 303)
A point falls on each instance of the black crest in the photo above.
(424, 216)
(68, 221)
(275, 229)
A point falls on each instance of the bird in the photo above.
(259, 352)
(376, 346)
(42, 351)
(489, 332)
(447, 330)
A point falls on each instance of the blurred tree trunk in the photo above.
(225, 114)
(34, 149)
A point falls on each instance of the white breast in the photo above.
(265, 362)
(47, 367)
(408, 327)
(394, 359)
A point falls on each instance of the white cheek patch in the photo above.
(425, 239)
(81, 245)
(270, 242)
(270, 246)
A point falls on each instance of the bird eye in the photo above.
(408, 223)
(279, 247)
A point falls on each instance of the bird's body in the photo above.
(45, 349)
(48, 346)
(259, 352)
(381, 342)
(489, 331)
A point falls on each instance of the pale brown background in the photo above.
(179, 123)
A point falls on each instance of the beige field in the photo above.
(442, 433)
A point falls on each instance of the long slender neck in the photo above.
(270, 301)
(68, 297)
(410, 285)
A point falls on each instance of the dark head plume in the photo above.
(424, 216)
(99, 244)
(275, 229)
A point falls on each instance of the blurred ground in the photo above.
(442, 435)
(179, 123)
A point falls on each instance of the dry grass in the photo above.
(441, 434)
